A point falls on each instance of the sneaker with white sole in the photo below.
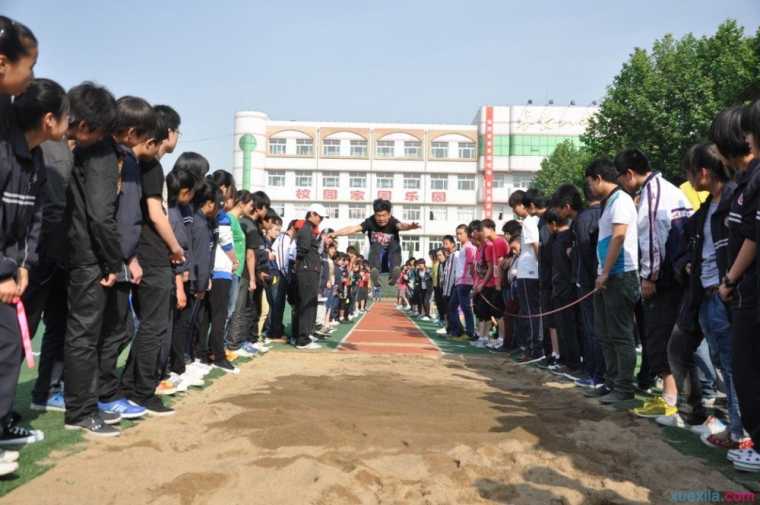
(18, 435)
(94, 426)
(192, 380)
(711, 426)
(123, 407)
(674, 421)
(746, 460)
(441, 331)
(480, 343)
(55, 403)
(260, 347)
(155, 407)
(8, 467)
(309, 347)
(227, 367)
(243, 353)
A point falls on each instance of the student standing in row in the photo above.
(308, 265)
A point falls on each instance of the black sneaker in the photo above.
(94, 425)
(110, 417)
(226, 367)
(13, 434)
(598, 392)
(155, 407)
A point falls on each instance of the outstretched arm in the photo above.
(408, 226)
(348, 230)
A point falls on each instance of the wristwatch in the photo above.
(727, 282)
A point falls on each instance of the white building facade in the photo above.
(439, 175)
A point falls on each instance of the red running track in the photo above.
(385, 330)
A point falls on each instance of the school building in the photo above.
(439, 175)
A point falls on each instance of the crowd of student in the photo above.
(114, 257)
(586, 278)
(176, 269)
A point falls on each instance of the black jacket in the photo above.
(58, 164)
(741, 226)
(689, 318)
(91, 207)
(22, 182)
(203, 248)
(585, 229)
(307, 249)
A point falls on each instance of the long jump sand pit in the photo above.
(354, 428)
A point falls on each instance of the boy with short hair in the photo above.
(617, 282)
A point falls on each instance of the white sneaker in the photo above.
(310, 346)
(8, 456)
(267, 341)
(441, 331)
(261, 347)
(192, 380)
(243, 353)
(399, 307)
(313, 338)
(424, 318)
(480, 343)
(711, 426)
(8, 467)
(676, 421)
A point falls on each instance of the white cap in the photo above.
(317, 208)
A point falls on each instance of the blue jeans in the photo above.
(461, 297)
(715, 324)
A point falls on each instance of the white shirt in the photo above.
(619, 209)
(527, 267)
(710, 275)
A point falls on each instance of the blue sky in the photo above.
(420, 61)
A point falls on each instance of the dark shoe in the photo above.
(597, 392)
(110, 417)
(94, 425)
(155, 407)
(13, 434)
(226, 367)
(615, 397)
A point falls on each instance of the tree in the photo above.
(566, 164)
(664, 100)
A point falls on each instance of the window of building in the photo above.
(411, 213)
(466, 150)
(330, 180)
(276, 178)
(357, 211)
(439, 150)
(384, 149)
(304, 147)
(303, 179)
(435, 243)
(412, 181)
(522, 181)
(466, 182)
(331, 147)
(439, 182)
(465, 214)
(499, 181)
(384, 181)
(412, 149)
(410, 243)
(279, 208)
(357, 180)
(333, 211)
(359, 148)
(438, 213)
(277, 147)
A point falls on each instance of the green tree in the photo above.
(566, 164)
(664, 100)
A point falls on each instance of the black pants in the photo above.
(278, 294)
(116, 338)
(45, 299)
(183, 329)
(746, 360)
(660, 313)
(244, 326)
(151, 300)
(87, 305)
(530, 328)
(10, 357)
(424, 303)
(566, 323)
(219, 297)
(308, 288)
(438, 299)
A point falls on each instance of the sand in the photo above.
(350, 428)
